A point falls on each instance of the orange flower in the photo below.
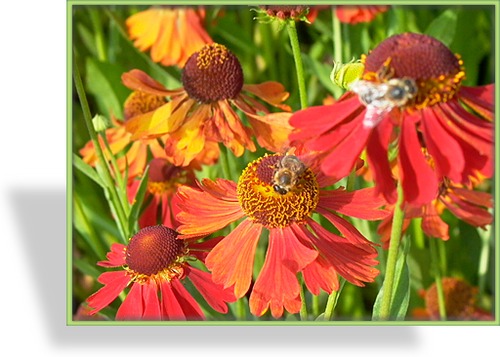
(203, 110)
(278, 193)
(460, 302)
(352, 14)
(173, 34)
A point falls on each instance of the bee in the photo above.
(287, 173)
(381, 98)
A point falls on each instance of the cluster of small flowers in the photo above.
(440, 130)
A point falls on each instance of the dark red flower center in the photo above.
(212, 74)
(459, 299)
(276, 192)
(154, 250)
(283, 12)
(436, 70)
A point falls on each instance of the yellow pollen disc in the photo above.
(174, 270)
(211, 54)
(160, 187)
(263, 204)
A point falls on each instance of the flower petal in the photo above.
(114, 283)
(139, 80)
(432, 224)
(132, 307)
(170, 307)
(231, 261)
(190, 307)
(116, 257)
(480, 99)
(418, 179)
(271, 92)
(214, 294)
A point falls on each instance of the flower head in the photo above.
(203, 111)
(153, 264)
(279, 193)
(172, 33)
(163, 181)
(410, 100)
(459, 301)
(282, 13)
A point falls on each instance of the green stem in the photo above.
(392, 257)
(303, 308)
(108, 178)
(437, 278)
(337, 37)
(331, 303)
(98, 35)
(294, 41)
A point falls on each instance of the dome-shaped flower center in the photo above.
(276, 192)
(283, 12)
(140, 102)
(212, 74)
(155, 252)
(436, 71)
(459, 299)
(164, 177)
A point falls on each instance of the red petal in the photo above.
(480, 99)
(116, 257)
(418, 179)
(444, 149)
(320, 275)
(139, 80)
(170, 307)
(132, 307)
(362, 203)
(277, 285)
(432, 224)
(378, 161)
(115, 282)
(188, 304)
(231, 261)
(214, 294)
(152, 307)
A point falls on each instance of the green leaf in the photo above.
(87, 170)
(401, 291)
(103, 81)
(86, 268)
(139, 198)
(443, 27)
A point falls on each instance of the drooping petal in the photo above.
(474, 215)
(364, 203)
(271, 130)
(214, 294)
(320, 275)
(480, 99)
(140, 81)
(271, 92)
(152, 306)
(190, 307)
(206, 210)
(432, 224)
(170, 308)
(231, 261)
(277, 286)
(132, 307)
(114, 283)
(377, 155)
(418, 179)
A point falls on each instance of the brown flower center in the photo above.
(436, 71)
(212, 74)
(275, 194)
(155, 252)
(284, 12)
(140, 102)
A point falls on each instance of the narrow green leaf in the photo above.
(401, 292)
(139, 198)
(86, 268)
(87, 170)
(443, 27)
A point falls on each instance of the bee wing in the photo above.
(374, 114)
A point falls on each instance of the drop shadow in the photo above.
(41, 218)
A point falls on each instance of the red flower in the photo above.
(279, 194)
(352, 14)
(463, 202)
(163, 181)
(410, 99)
(153, 264)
